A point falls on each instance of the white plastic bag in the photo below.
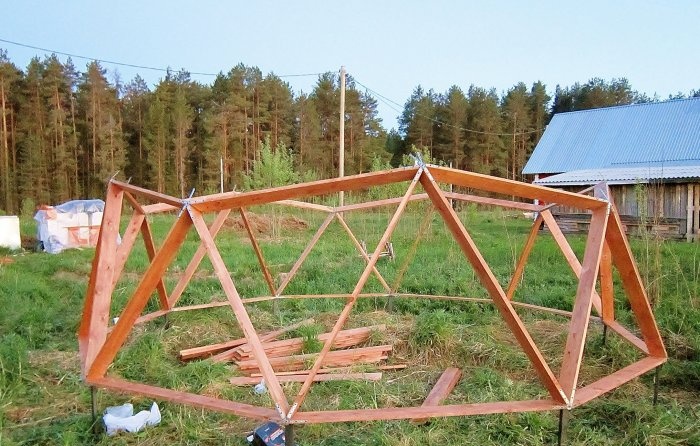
(122, 418)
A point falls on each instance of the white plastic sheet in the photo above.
(72, 224)
(122, 419)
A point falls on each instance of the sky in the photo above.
(389, 46)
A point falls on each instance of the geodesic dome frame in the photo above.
(606, 247)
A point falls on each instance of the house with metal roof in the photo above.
(648, 153)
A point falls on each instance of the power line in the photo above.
(130, 65)
(388, 101)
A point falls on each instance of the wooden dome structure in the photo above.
(606, 248)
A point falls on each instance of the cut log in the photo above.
(441, 390)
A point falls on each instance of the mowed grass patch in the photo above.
(43, 400)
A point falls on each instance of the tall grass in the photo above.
(42, 400)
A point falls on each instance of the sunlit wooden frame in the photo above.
(606, 246)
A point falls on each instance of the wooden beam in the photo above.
(196, 260)
(304, 254)
(93, 330)
(138, 299)
(487, 201)
(148, 194)
(301, 377)
(514, 188)
(441, 390)
(159, 208)
(229, 353)
(488, 280)
(305, 205)
(342, 318)
(292, 346)
(124, 249)
(632, 283)
(151, 251)
(404, 413)
(425, 223)
(628, 336)
(578, 327)
(240, 312)
(334, 358)
(190, 399)
(378, 203)
(229, 200)
(258, 251)
(198, 352)
(522, 261)
(362, 252)
(134, 204)
(616, 379)
(569, 254)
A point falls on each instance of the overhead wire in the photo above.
(130, 65)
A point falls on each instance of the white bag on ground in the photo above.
(122, 418)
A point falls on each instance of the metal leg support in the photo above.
(93, 405)
(563, 422)
(289, 435)
(656, 385)
(605, 334)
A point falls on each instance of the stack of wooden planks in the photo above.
(290, 364)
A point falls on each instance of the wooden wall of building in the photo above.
(669, 209)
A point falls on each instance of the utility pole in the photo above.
(341, 151)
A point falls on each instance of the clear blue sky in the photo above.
(390, 46)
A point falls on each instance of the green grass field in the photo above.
(43, 401)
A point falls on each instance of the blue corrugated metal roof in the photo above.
(651, 134)
(620, 175)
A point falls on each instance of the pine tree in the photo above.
(136, 97)
(517, 122)
(156, 143)
(182, 115)
(34, 153)
(10, 76)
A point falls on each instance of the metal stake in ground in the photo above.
(93, 406)
(289, 435)
(656, 385)
(563, 422)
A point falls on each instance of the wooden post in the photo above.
(689, 214)
(341, 137)
(696, 213)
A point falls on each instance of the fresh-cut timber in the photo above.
(334, 358)
(300, 378)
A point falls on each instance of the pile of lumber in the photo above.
(290, 363)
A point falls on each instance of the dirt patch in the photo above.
(58, 362)
(263, 224)
(70, 276)
(6, 260)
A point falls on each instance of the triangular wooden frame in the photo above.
(606, 246)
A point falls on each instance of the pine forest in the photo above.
(64, 132)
